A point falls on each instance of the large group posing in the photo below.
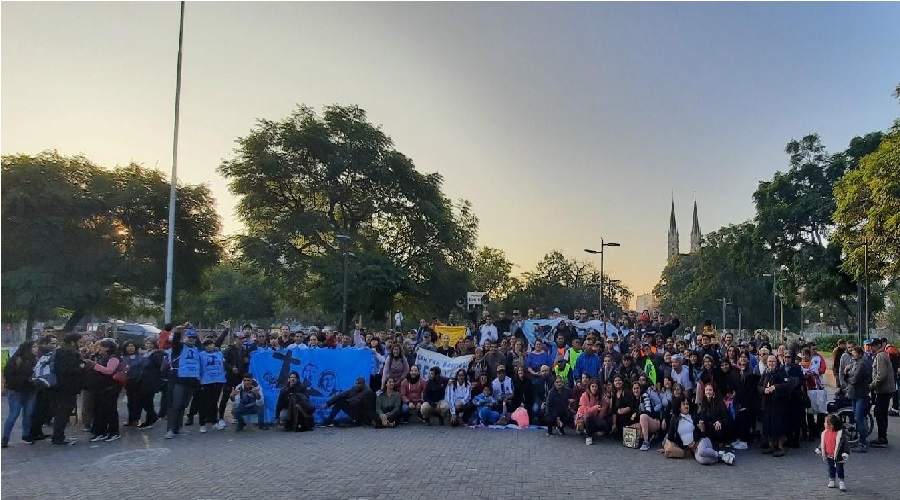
(704, 395)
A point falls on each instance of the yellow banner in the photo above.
(455, 333)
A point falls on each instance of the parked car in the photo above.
(136, 332)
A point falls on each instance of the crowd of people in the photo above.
(703, 396)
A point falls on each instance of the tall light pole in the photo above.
(724, 303)
(866, 272)
(603, 245)
(170, 245)
(774, 307)
(345, 245)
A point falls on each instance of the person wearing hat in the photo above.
(105, 426)
(883, 385)
(796, 411)
(184, 372)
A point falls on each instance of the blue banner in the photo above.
(544, 329)
(326, 372)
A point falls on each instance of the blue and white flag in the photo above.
(326, 372)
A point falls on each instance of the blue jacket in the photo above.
(587, 363)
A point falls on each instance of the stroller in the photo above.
(843, 408)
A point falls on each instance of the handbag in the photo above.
(631, 437)
(818, 400)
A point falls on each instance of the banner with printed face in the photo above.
(543, 329)
(326, 373)
(426, 359)
(454, 332)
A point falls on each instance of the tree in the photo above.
(794, 216)
(306, 179)
(868, 210)
(491, 272)
(233, 290)
(89, 239)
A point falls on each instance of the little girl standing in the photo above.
(833, 450)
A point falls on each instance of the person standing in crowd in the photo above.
(105, 389)
(833, 450)
(212, 379)
(69, 368)
(21, 391)
(433, 397)
(42, 411)
(395, 366)
(150, 381)
(588, 362)
(796, 411)
(184, 376)
(883, 385)
(445, 348)
(776, 389)
(165, 343)
(487, 332)
(133, 362)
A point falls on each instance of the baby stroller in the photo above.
(843, 408)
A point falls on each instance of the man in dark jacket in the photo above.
(858, 374)
(358, 403)
(69, 373)
(45, 397)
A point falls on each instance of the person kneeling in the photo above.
(294, 410)
(248, 400)
(556, 409)
(435, 390)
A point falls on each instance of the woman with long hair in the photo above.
(395, 365)
(592, 409)
(100, 382)
(134, 363)
(459, 397)
(21, 392)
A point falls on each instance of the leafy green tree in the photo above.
(306, 179)
(89, 239)
(233, 290)
(491, 272)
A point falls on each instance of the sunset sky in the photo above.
(562, 123)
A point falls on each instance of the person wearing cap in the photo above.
(796, 411)
(502, 389)
(184, 372)
(105, 389)
(561, 368)
(883, 385)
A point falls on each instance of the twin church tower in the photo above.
(673, 233)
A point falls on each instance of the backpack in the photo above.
(44, 374)
(18, 375)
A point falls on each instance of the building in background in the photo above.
(646, 301)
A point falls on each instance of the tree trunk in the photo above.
(76, 316)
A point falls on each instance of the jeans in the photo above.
(19, 402)
(881, 414)
(488, 416)
(835, 469)
(240, 410)
(180, 399)
(860, 410)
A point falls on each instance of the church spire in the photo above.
(695, 232)
(673, 233)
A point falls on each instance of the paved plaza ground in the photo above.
(414, 462)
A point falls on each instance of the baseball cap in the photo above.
(556, 310)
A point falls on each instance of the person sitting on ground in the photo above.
(294, 409)
(411, 392)
(459, 398)
(523, 389)
(388, 406)
(593, 408)
(502, 389)
(622, 406)
(651, 413)
(433, 396)
(358, 402)
(713, 418)
(484, 403)
(556, 409)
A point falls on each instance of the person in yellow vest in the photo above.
(574, 352)
(710, 330)
(563, 369)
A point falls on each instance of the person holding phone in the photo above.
(247, 399)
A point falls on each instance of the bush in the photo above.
(829, 342)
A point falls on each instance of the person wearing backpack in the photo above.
(105, 388)
(69, 369)
(21, 392)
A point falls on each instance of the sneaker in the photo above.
(842, 486)
(728, 458)
(28, 440)
(860, 448)
(588, 440)
(65, 442)
(182, 432)
(202, 429)
(739, 445)
(169, 435)
(645, 446)
(145, 425)
(221, 425)
(114, 437)
(4, 445)
(877, 443)
(95, 439)
(778, 453)
(894, 412)
(831, 483)
(86, 429)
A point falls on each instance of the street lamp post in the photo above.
(603, 245)
(724, 303)
(345, 244)
(774, 307)
(170, 241)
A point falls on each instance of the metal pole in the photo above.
(774, 309)
(602, 249)
(866, 272)
(344, 315)
(170, 247)
(723, 316)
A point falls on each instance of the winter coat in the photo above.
(841, 449)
